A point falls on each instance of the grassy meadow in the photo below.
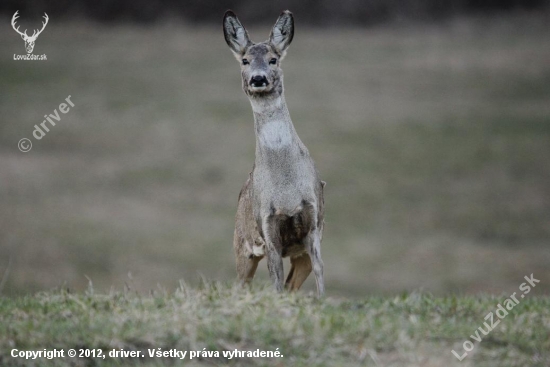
(434, 141)
(404, 330)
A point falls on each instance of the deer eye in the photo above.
(273, 61)
(245, 62)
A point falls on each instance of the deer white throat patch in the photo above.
(275, 134)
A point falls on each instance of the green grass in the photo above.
(433, 140)
(412, 329)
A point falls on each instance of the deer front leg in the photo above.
(273, 252)
(313, 246)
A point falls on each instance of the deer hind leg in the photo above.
(299, 271)
(247, 263)
(246, 268)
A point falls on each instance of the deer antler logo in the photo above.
(29, 40)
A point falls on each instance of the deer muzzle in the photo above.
(259, 81)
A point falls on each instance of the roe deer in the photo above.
(281, 207)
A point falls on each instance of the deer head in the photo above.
(260, 62)
(29, 40)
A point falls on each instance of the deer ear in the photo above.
(235, 34)
(23, 36)
(282, 32)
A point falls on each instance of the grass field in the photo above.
(434, 142)
(406, 330)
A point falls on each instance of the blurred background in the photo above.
(429, 120)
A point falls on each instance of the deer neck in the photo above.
(273, 126)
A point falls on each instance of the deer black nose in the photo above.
(259, 81)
